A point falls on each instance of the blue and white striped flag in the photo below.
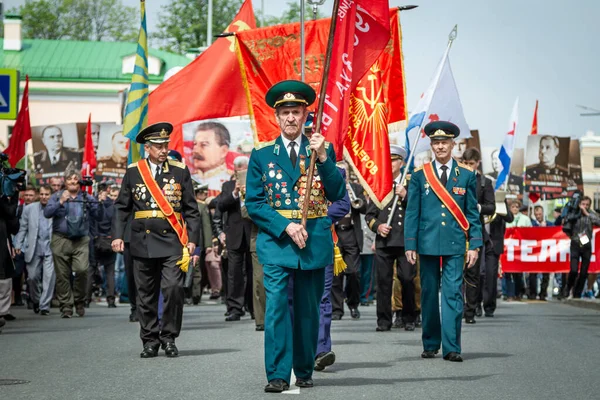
(506, 151)
(136, 109)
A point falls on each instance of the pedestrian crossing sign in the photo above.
(9, 93)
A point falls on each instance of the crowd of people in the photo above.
(158, 242)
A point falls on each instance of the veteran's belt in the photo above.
(445, 197)
(165, 207)
(153, 214)
(297, 214)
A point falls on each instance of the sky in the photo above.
(547, 50)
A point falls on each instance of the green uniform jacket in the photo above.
(270, 169)
(430, 229)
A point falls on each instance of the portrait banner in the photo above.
(111, 152)
(272, 54)
(491, 165)
(57, 148)
(547, 171)
(542, 250)
(211, 147)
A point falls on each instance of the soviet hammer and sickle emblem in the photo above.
(240, 26)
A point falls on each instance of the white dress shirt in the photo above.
(438, 167)
(154, 166)
(286, 144)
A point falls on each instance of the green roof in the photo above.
(69, 60)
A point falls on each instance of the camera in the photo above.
(572, 213)
(86, 181)
(12, 180)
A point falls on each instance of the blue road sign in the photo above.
(9, 93)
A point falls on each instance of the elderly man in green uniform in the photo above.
(158, 197)
(442, 222)
(275, 193)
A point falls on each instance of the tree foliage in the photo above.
(94, 20)
(292, 14)
(182, 23)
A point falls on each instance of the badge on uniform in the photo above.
(426, 186)
(459, 191)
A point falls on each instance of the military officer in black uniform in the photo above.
(389, 248)
(350, 241)
(165, 228)
(486, 203)
(547, 170)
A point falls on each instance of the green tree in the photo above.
(95, 20)
(182, 23)
(292, 14)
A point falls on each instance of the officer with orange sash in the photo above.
(158, 196)
(442, 222)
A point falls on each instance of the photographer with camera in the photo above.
(70, 210)
(579, 222)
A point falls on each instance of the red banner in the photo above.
(22, 130)
(542, 250)
(208, 87)
(272, 54)
(361, 33)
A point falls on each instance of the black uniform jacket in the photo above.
(154, 237)
(376, 217)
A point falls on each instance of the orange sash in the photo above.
(162, 202)
(445, 197)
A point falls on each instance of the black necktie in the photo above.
(444, 177)
(157, 173)
(293, 154)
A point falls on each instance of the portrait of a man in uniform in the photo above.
(55, 158)
(460, 145)
(548, 169)
(120, 150)
(211, 145)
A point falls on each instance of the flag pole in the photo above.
(411, 155)
(319, 114)
(302, 39)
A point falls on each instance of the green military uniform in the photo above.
(432, 231)
(275, 193)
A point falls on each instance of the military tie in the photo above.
(293, 154)
(444, 177)
(158, 171)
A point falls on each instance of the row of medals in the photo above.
(172, 195)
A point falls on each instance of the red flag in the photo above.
(534, 125)
(272, 54)
(367, 145)
(362, 32)
(534, 197)
(21, 132)
(208, 87)
(88, 167)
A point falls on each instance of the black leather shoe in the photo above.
(489, 315)
(277, 386)
(454, 357)
(382, 328)
(260, 328)
(478, 311)
(364, 304)
(429, 353)
(470, 321)
(304, 383)
(410, 326)
(149, 352)
(170, 349)
(45, 312)
(227, 313)
(36, 308)
(354, 313)
(133, 317)
(398, 323)
(336, 317)
(8, 317)
(324, 360)
(232, 317)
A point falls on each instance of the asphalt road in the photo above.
(528, 351)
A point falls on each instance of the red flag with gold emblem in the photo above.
(272, 54)
(367, 145)
(208, 87)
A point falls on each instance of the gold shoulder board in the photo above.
(417, 169)
(465, 166)
(132, 165)
(177, 164)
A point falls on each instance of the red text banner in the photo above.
(545, 250)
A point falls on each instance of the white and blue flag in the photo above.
(506, 151)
